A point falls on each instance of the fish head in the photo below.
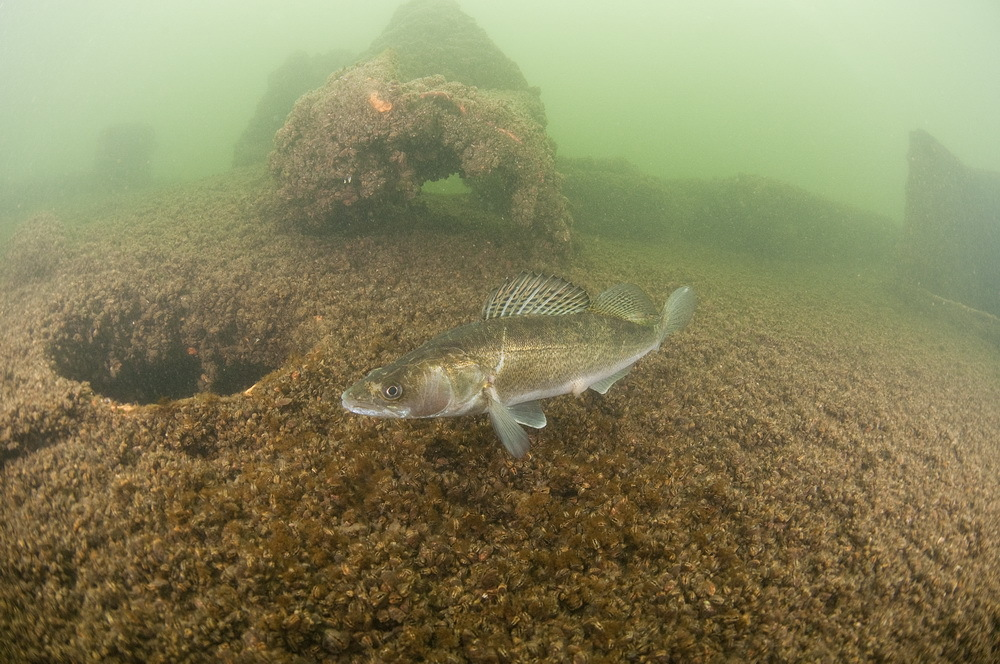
(408, 389)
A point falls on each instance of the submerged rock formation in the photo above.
(437, 37)
(952, 226)
(746, 213)
(362, 145)
(299, 74)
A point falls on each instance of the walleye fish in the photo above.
(540, 336)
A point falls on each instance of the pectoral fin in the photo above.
(507, 421)
(510, 432)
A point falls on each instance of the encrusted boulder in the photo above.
(952, 226)
(437, 37)
(361, 146)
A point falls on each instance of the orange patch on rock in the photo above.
(509, 134)
(379, 104)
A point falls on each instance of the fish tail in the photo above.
(677, 312)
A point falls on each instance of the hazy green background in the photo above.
(821, 94)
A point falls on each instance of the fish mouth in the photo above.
(362, 407)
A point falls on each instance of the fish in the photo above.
(539, 336)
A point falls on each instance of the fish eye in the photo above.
(392, 392)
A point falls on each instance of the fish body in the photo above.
(539, 337)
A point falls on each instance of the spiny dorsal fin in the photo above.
(626, 301)
(531, 293)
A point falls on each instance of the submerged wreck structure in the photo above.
(952, 226)
(433, 97)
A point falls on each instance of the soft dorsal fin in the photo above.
(626, 301)
(531, 293)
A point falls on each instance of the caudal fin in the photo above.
(677, 312)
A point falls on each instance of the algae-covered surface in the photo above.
(809, 472)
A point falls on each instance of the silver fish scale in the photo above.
(538, 356)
